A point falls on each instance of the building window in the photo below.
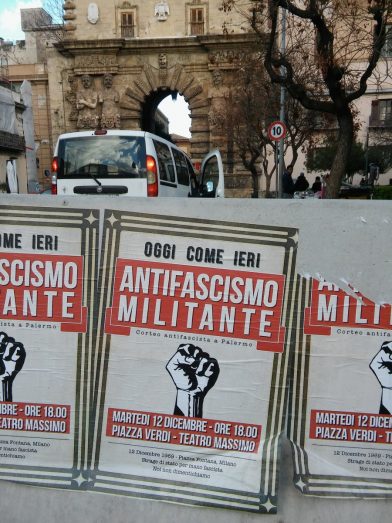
(387, 49)
(197, 17)
(386, 111)
(381, 114)
(128, 24)
(197, 20)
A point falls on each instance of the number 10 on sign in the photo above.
(276, 131)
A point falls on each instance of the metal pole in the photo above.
(367, 152)
(276, 158)
(282, 103)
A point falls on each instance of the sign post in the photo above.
(277, 132)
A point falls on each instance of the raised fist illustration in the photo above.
(194, 373)
(12, 358)
(381, 365)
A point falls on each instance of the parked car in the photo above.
(131, 163)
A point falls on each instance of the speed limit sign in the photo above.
(276, 130)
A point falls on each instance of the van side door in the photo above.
(167, 174)
(182, 172)
(212, 176)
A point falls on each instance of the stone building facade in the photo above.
(18, 172)
(115, 62)
(27, 61)
(12, 142)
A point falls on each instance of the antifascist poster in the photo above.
(47, 274)
(341, 402)
(191, 360)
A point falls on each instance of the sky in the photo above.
(177, 112)
(10, 17)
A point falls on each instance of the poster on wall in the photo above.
(47, 273)
(192, 359)
(340, 422)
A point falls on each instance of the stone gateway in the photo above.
(112, 63)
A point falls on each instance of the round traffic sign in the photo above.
(276, 130)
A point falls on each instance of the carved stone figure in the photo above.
(86, 104)
(109, 98)
(162, 60)
(216, 77)
(70, 97)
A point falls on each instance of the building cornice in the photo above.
(72, 48)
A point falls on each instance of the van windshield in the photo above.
(102, 156)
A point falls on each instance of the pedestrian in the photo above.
(301, 183)
(316, 187)
(323, 193)
(287, 182)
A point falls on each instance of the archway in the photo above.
(165, 112)
(176, 109)
(141, 98)
(149, 121)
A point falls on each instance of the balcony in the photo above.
(11, 142)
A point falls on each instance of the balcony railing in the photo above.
(12, 142)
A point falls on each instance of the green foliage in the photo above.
(321, 158)
(380, 155)
(382, 192)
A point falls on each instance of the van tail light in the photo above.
(55, 165)
(55, 168)
(152, 176)
(53, 187)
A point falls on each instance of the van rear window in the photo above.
(103, 156)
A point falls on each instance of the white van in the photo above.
(132, 163)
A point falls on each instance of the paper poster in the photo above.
(341, 401)
(196, 318)
(47, 274)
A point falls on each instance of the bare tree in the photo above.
(56, 10)
(339, 41)
(251, 104)
(8, 56)
(47, 20)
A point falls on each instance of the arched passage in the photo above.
(141, 98)
(177, 111)
(149, 122)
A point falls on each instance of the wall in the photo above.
(46, 506)
(343, 241)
